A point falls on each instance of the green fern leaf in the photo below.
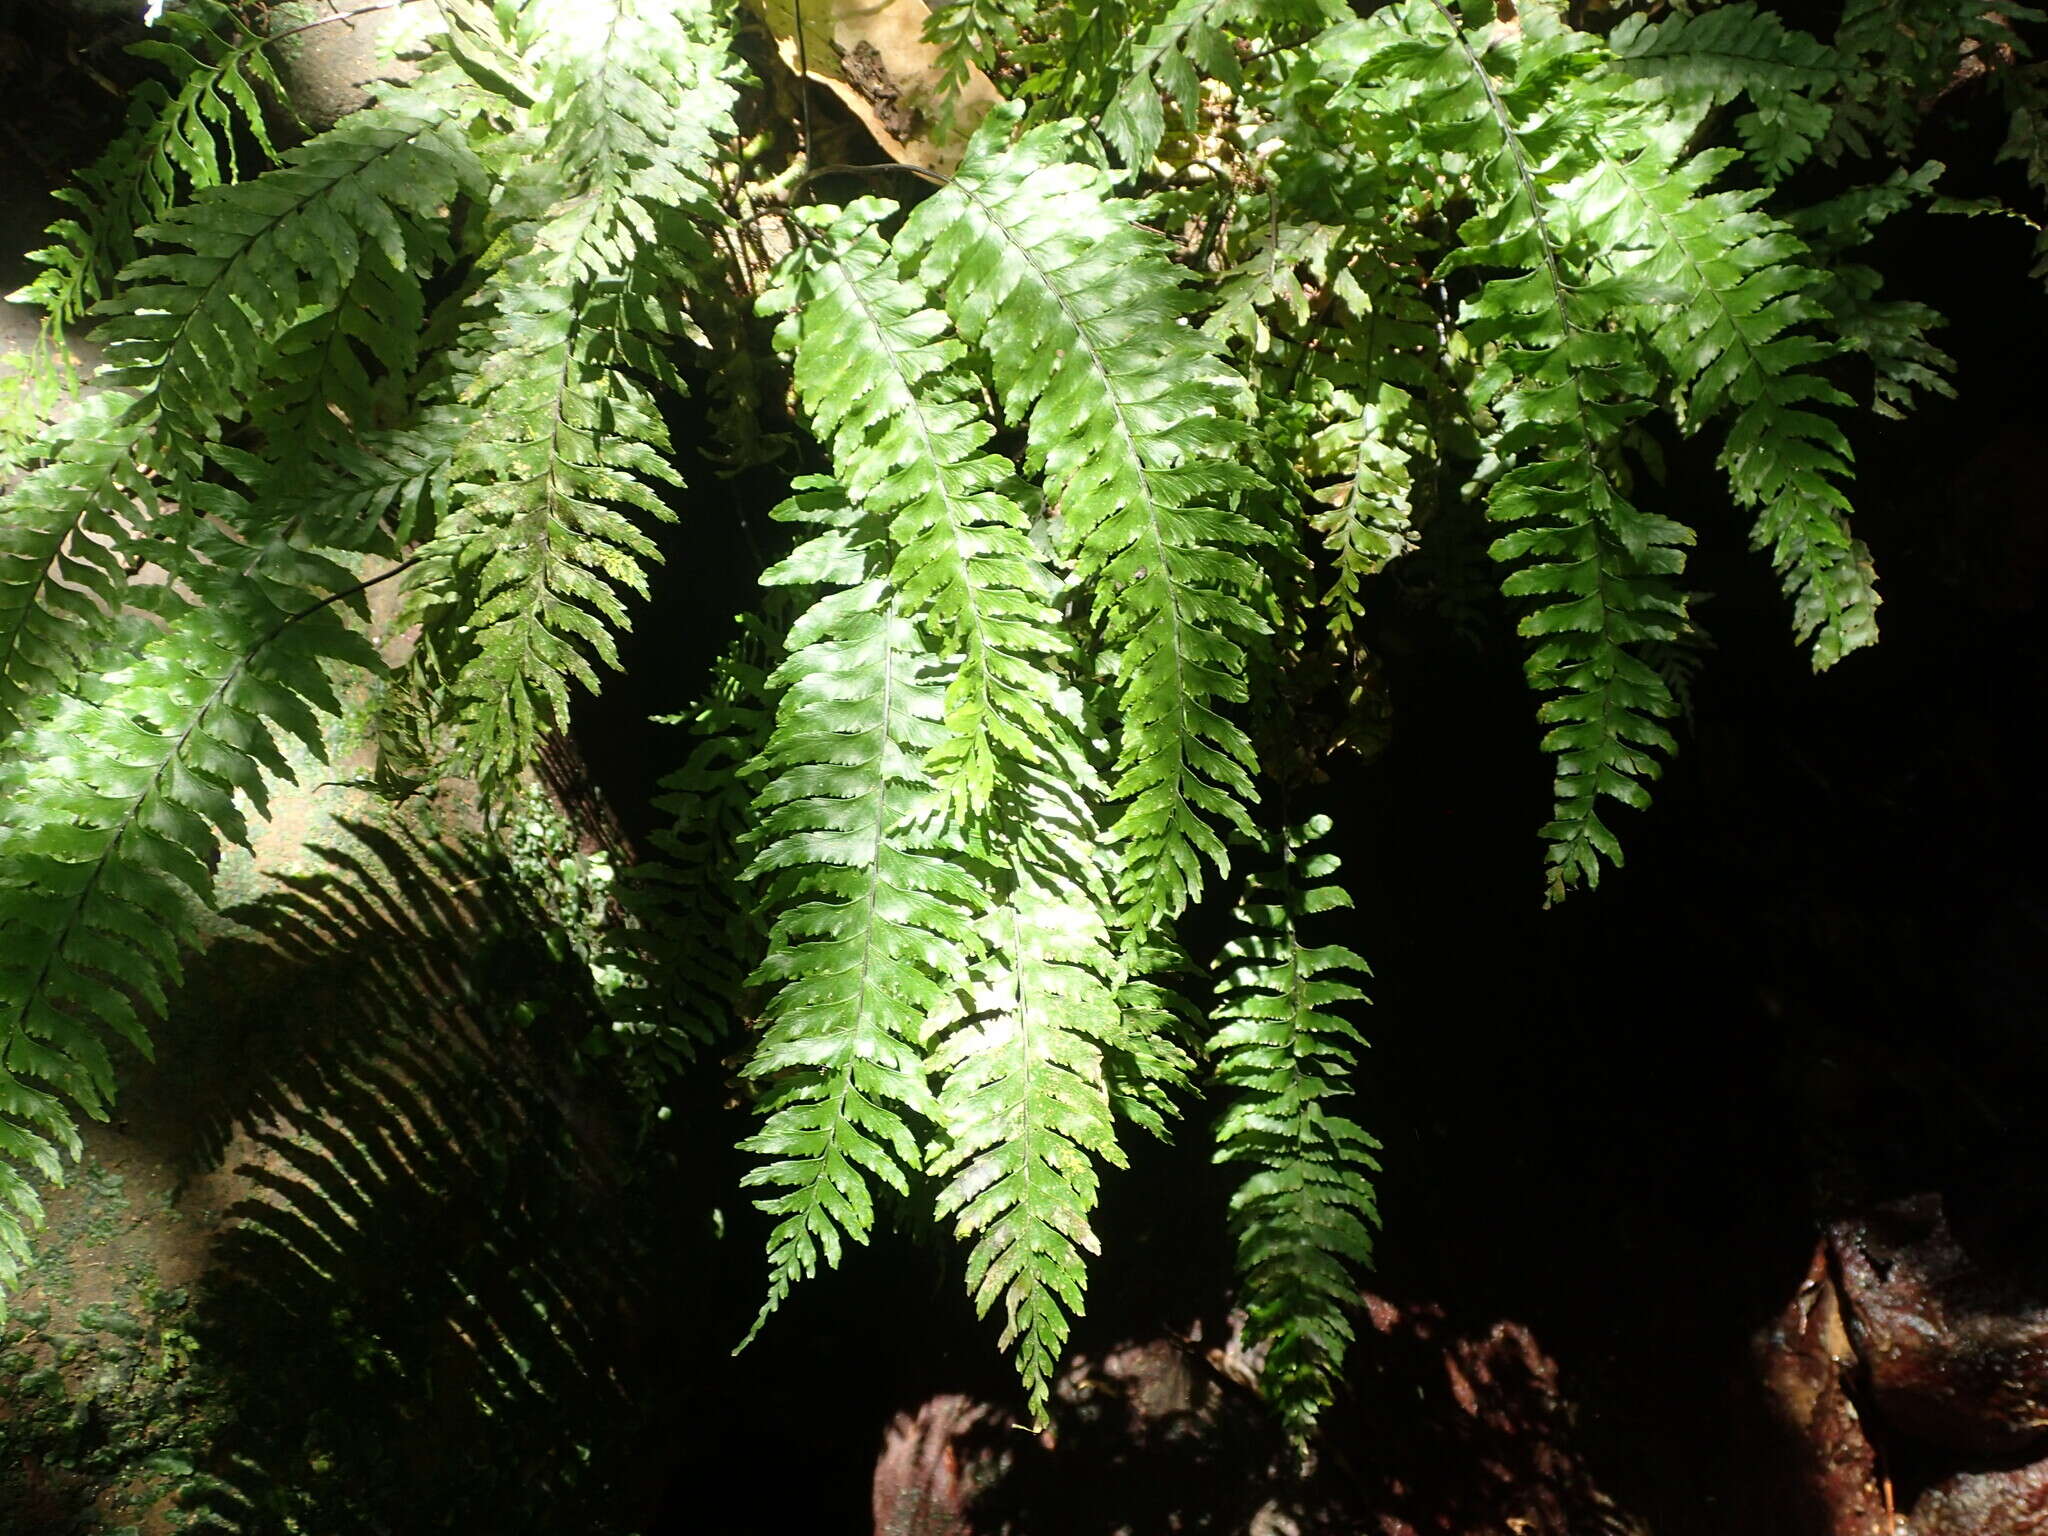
(65, 540)
(195, 330)
(873, 920)
(179, 140)
(889, 392)
(1130, 417)
(1563, 386)
(696, 935)
(1025, 1104)
(1303, 1218)
(1739, 286)
(522, 583)
(1713, 56)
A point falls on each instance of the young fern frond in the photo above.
(873, 919)
(1129, 417)
(112, 816)
(1303, 1217)
(888, 389)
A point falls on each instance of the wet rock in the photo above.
(1956, 1354)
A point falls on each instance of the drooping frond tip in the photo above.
(1304, 1215)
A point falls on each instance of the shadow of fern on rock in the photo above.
(430, 1264)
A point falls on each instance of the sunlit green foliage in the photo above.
(1121, 423)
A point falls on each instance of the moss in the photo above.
(111, 1320)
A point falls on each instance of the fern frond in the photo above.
(522, 582)
(179, 140)
(1563, 385)
(1713, 56)
(887, 388)
(970, 35)
(1739, 285)
(696, 935)
(196, 330)
(65, 540)
(1358, 407)
(1892, 333)
(1024, 1109)
(1902, 55)
(1149, 1056)
(1303, 1218)
(873, 919)
(112, 817)
(1170, 59)
(1129, 415)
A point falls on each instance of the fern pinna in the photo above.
(1134, 407)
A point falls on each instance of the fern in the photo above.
(180, 139)
(1713, 56)
(1892, 333)
(1169, 59)
(887, 389)
(1128, 415)
(1120, 460)
(1303, 1218)
(1564, 387)
(196, 328)
(872, 920)
(1904, 54)
(1738, 288)
(65, 540)
(522, 582)
(1025, 1108)
(695, 934)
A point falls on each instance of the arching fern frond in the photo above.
(522, 584)
(1130, 416)
(1303, 1217)
(873, 920)
(1563, 386)
(1738, 287)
